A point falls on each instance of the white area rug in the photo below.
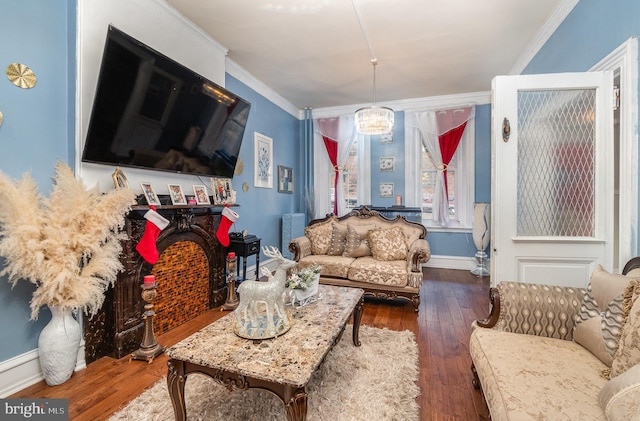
(376, 381)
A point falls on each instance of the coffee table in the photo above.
(283, 365)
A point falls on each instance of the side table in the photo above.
(245, 247)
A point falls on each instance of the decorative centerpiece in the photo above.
(261, 313)
(68, 245)
(303, 285)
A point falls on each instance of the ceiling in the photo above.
(313, 53)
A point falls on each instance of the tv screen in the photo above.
(152, 112)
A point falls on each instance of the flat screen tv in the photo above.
(152, 112)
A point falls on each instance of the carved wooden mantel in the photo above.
(118, 328)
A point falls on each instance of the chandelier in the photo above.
(372, 120)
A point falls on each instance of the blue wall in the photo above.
(261, 209)
(38, 128)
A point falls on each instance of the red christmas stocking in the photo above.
(228, 218)
(147, 245)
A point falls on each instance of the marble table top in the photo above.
(288, 359)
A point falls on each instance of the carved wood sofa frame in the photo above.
(386, 292)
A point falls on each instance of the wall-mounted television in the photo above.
(151, 112)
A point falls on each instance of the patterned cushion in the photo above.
(620, 397)
(338, 239)
(628, 353)
(358, 240)
(320, 237)
(368, 269)
(388, 244)
(541, 310)
(599, 322)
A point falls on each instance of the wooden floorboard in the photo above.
(450, 301)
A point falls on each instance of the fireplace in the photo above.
(190, 274)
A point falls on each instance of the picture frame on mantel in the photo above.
(176, 194)
(263, 161)
(149, 193)
(119, 179)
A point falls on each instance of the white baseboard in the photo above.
(20, 372)
(452, 262)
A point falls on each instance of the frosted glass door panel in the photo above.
(556, 164)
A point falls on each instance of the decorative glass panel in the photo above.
(556, 165)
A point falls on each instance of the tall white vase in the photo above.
(58, 346)
(481, 236)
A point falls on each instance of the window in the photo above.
(428, 171)
(351, 177)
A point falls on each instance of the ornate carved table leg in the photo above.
(296, 405)
(176, 379)
(357, 317)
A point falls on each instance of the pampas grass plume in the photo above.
(68, 244)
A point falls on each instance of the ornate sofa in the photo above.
(366, 250)
(559, 353)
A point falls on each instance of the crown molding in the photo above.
(475, 98)
(547, 29)
(243, 75)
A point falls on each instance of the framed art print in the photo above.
(386, 137)
(200, 192)
(285, 179)
(387, 163)
(263, 161)
(176, 194)
(386, 189)
(149, 193)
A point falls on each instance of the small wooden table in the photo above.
(282, 365)
(245, 247)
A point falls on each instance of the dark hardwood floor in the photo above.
(451, 300)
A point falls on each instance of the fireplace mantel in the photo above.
(118, 328)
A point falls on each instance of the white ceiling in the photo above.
(313, 52)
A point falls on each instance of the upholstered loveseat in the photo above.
(364, 249)
(560, 353)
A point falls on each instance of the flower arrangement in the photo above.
(68, 245)
(303, 278)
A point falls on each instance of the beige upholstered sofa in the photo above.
(366, 250)
(559, 353)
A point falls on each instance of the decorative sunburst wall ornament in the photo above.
(21, 75)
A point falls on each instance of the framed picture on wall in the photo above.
(285, 179)
(263, 161)
(149, 193)
(386, 137)
(387, 163)
(386, 189)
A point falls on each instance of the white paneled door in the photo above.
(552, 177)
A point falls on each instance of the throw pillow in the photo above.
(628, 353)
(319, 235)
(338, 239)
(358, 240)
(599, 322)
(388, 244)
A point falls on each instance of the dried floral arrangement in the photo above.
(68, 244)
